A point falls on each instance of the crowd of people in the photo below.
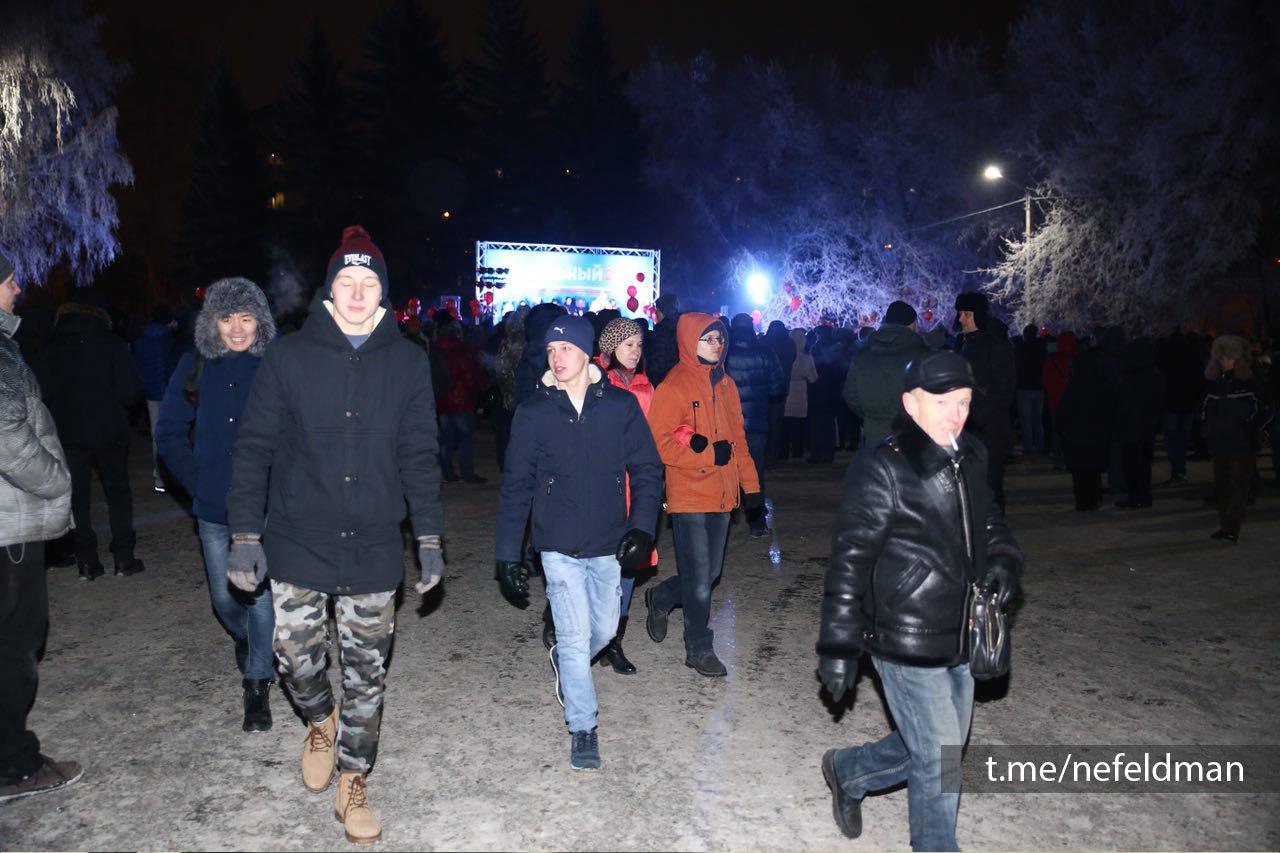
(313, 457)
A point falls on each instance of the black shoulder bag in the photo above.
(990, 646)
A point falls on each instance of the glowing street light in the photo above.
(992, 173)
(758, 287)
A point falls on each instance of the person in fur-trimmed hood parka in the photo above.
(208, 389)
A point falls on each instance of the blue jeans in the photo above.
(243, 615)
(699, 538)
(455, 437)
(628, 589)
(585, 596)
(1031, 420)
(932, 707)
(1177, 435)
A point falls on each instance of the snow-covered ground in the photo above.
(1136, 628)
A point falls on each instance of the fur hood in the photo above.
(232, 296)
(1233, 347)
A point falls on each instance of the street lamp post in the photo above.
(993, 173)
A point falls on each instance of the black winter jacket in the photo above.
(572, 471)
(1140, 403)
(661, 351)
(1234, 412)
(333, 442)
(759, 378)
(991, 356)
(901, 557)
(533, 358)
(88, 379)
(1086, 414)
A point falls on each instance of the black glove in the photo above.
(837, 675)
(1003, 582)
(752, 500)
(513, 580)
(724, 452)
(246, 564)
(697, 442)
(634, 549)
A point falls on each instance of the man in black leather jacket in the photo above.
(916, 528)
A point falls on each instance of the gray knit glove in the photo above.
(431, 559)
(246, 562)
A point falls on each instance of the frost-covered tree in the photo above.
(1147, 125)
(821, 181)
(58, 153)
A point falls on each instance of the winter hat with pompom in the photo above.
(356, 250)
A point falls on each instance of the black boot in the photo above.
(90, 571)
(257, 710)
(131, 566)
(613, 655)
(548, 628)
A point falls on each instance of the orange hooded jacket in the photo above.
(688, 396)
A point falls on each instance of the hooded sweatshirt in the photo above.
(703, 397)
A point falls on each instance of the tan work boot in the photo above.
(317, 753)
(352, 808)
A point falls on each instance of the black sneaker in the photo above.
(450, 478)
(49, 776)
(706, 663)
(656, 621)
(257, 709)
(132, 566)
(584, 751)
(845, 809)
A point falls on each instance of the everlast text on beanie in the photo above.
(574, 330)
(356, 250)
(938, 372)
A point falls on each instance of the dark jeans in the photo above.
(1138, 456)
(1031, 420)
(774, 451)
(995, 475)
(932, 707)
(822, 433)
(757, 442)
(111, 464)
(793, 438)
(455, 437)
(1087, 487)
(1231, 489)
(699, 538)
(24, 617)
(1177, 435)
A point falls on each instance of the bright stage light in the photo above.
(758, 287)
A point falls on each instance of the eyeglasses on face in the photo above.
(714, 340)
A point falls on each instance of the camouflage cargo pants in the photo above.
(365, 627)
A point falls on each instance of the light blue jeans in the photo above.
(243, 614)
(933, 707)
(585, 595)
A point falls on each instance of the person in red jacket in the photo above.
(622, 359)
(457, 408)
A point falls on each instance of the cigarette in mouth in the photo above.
(954, 446)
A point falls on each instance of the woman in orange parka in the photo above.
(704, 475)
(622, 359)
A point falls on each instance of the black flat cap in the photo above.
(938, 371)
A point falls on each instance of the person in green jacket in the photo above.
(873, 388)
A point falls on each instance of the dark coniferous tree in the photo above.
(507, 105)
(224, 229)
(598, 135)
(408, 101)
(324, 171)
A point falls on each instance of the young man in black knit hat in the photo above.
(338, 435)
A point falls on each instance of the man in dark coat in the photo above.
(339, 434)
(575, 447)
(89, 381)
(457, 409)
(1030, 353)
(873, 388)
(661, 351)
(984, 342)
(1084, 419)
(156, 353)
(760, 382)
(917, 527)
(533, 360)
(779, 342)
(1184, 379)
(1138, 408)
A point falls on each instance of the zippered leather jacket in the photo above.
(914, 529)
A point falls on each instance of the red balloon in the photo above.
(639, 276)
(757, 317)
(631, 291)
(413, 305)
(795, 303)
(633, 303)
(475, 308)
(200, 293)
(928, 315)
(488, 298)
